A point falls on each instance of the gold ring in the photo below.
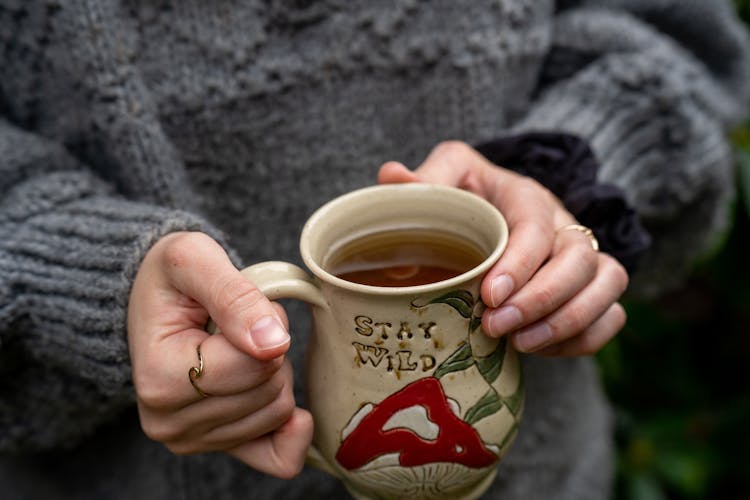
(196, 373)
(585, 230)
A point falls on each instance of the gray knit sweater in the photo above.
(124, 120)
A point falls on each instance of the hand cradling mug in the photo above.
(410, 398)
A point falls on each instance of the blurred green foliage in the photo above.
(743, 8)
(677, 377)
(676, 374)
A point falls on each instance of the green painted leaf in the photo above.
(476, 322)
(488, 405)
(515, 400)
(460, 300)
(490, 366)
(461, 359)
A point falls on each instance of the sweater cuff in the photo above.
(67, 262)
(565, 165)
(661, 145)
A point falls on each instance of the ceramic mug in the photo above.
(409, 397)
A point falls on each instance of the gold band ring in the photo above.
(585, 230)
(196, 373)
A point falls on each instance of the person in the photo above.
(149, 150)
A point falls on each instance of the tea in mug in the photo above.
(404, 257)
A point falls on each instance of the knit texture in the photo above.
(68, 253)
(126, 120)
(565, 165)
(655, 118)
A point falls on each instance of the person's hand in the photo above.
(551, 291)
(249, 408)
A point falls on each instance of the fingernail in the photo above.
(533, 338)
(500, 288)
(504, 320)
(268, 333)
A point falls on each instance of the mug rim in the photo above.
(318, 216)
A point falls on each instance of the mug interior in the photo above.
(397, 207)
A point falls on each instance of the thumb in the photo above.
(450, 163)
(200, 269)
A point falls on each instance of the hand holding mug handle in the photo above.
(281, 280)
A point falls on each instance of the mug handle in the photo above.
(281, 280)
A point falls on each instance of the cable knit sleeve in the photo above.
(69, 248)
(653, 87)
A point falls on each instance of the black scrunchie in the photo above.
(565, 165)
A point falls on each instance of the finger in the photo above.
(199, 268)
(572, 266)
(453, 163)
(185, 429)
(579, 313)
(234, 408)
(450, 163)
(281, 454)
(593, 338)
(531, 213)
(529, 245)
(207, 413)
(227, 371)
(162, 379)
(166, 385)
(393, 172)
(220, 423)
(260, 421)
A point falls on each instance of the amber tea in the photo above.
(405, 257)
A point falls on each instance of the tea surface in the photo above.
(406, 257)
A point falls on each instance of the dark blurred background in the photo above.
(678, 373)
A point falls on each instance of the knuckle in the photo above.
(284, 404)
(526, 264)
(617, 273)
(179, 251)
(289, 469)
(265, 374)
(276, 384)
(542, 300)
(154, 395)
(577, 318)
(622, 276)
(236, 295)
(538, 229)
(583, 259)
(621, 317)
(528, 185)
(530, 189)
(158, 430)
(588, 264)
(588, 261)
(451, 148)
(270, 371)
(525, 267)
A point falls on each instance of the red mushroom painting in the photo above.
(419, 425)
(453, 440)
